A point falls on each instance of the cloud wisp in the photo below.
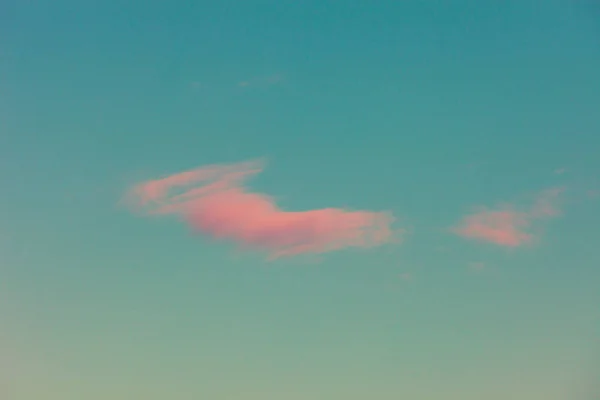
(222, 208)
(506, 226)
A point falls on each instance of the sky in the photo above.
(299, 200)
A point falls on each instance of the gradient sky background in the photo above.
(424, 108)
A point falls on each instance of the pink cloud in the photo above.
(504, 228)
(507, 227)
(224, 209)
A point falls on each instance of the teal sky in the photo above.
(428, 109)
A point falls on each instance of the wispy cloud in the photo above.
(224, 209)
(506, 226)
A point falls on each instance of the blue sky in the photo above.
(426, 109)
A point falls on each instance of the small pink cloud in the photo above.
(504, 228)
(507, 227)
(226, 210)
